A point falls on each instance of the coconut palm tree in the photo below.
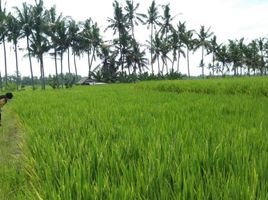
(176, 46)
(132, 17)
(260, 43)
(152, 19)
(108, 66)
(181, 31)
(118, 25)
(52, 31)
(203, 42)
(253, 55)
(3, 34)
(223, 57)
(73, 30)
(95, 41)
(265, 49)
(62, 42)
(235, 51)
(166, 24)
(165, 48)
(166, 27)
(156, 50)
(26, 22)
(135, 58)
(91, 41)
(39, 42)
(213, 48)
(189, 42)
(14, 33)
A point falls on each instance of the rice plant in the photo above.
(124, 142)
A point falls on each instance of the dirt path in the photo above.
(10, 180)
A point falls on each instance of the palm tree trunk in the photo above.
(5, 58)
(61, 67)
(178, 63)
(151, 50)
(88, 60)
(42, 72)
(128, 70)
(213, 64)
(188, 64)
(69, 68)
(17, 66)
(92, 56)
(158, 63)
(202, 62)
(56, 67)
(75, 67)
(30, 61)
(166, 65)
(163, 67)
(173, 61)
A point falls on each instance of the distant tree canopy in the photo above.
(123, 58)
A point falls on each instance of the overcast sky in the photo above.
(228, 19)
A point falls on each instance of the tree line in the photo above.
(123, 58)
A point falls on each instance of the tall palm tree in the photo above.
(152, 19)
(189, 42)
(261, 43)
(14, 33)
(165, 48)
(135, 57)
(223, 57)
(118, 25)
(73, 30)
(176, 46)
(39, 44)
(213, 48)
(156, 50)
(52, 31)
(255, 57)
(91, 41)
(203, 42)
(62, 42)
(132, 17)
(166, 27)
(181, 31)
(108, 65)
(26, 22)
(3, 34)
(265, 49)
(95, 41)
(235, 52)
(166, 24)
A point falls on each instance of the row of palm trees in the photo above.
(47, 32)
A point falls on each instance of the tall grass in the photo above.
(117, 142)
(228, 86)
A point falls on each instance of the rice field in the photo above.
(200, 139)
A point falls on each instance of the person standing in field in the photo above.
(3, 100)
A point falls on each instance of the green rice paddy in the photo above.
(198, 139)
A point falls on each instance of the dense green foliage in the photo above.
(123, 142)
